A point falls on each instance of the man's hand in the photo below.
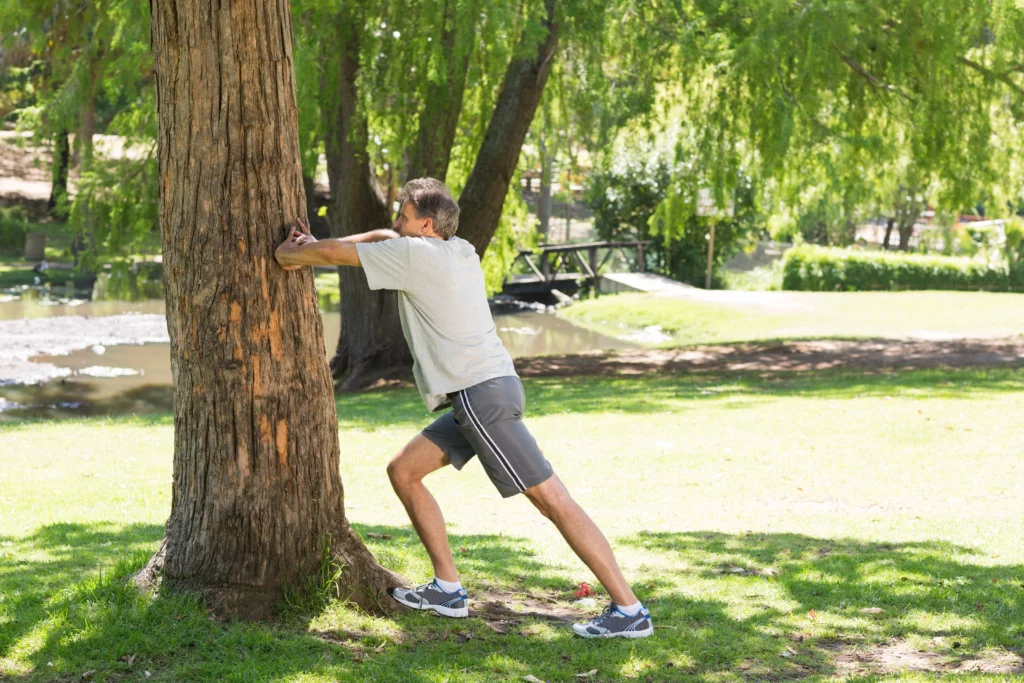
(288, 250)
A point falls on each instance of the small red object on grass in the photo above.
(583, 591)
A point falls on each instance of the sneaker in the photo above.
(432, 597)
(614, 624)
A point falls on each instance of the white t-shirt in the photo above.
(443, 307)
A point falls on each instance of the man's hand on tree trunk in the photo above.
(286, 251)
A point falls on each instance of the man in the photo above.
(459, 361)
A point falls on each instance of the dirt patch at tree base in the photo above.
(897, 656)
(793, 356)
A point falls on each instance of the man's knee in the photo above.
(549, 497)
(399, 472)
(537, 503)
(417, 459)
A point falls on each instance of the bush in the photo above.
(13, 228)
(818, 269)
(1017, 276)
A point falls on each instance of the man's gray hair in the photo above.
(430, 198)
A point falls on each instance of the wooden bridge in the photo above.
(566, 266)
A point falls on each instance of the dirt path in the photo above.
(24, 170)
(784, 357)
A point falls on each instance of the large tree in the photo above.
(257, 495)
(450, 89)
(371, 78)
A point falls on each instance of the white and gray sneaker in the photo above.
(616, 624)
(432, 597)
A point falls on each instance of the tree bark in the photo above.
(484, 194)
(257, 491)
(61, 162)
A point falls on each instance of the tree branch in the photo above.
(989, 73)
(858, 69)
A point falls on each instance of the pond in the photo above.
(74, 357)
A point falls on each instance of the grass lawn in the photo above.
(750, 316)
(758, 518)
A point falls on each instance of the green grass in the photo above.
(328, 289)
(751, 316)
(760, 279)
(899, 491)
(15, 271)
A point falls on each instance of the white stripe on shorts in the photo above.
(490, 442)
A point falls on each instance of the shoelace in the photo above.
(604, 615)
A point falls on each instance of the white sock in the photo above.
(450, 586)
(630, 610)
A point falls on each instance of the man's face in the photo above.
(407, 225)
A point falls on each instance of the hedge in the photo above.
(820, 269)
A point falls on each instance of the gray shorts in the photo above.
(487, 420)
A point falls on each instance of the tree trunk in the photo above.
(371, 344)
(544, 200)
(906, 217)
(484, 194)
(317, 224)
(568, 211)
(61, 162)
(87, 130)
(257, 492)
(906, 227)
(888, 233)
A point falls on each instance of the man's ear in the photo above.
(428, 227)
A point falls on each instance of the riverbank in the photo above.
(731, 316)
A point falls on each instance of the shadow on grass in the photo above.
(42, 575)
(57, 399)
(67, 610)
(925, 589)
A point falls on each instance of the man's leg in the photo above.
(406, 470)
(583, 536)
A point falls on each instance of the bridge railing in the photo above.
(554, 257)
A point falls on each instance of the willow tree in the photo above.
(398, 80)
(257, 500)
(92, 73)
(889, 103)
(447, 88)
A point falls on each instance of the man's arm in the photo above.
(372, 236)
(332, 252)
(302, 249)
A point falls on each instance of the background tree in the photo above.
(411, 89)
(257, 496)
(837, 111)
(451, 89)
(906, 95)
(92, 71)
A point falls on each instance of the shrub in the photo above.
(1017, 276)
(13, 228)
(820, 269)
